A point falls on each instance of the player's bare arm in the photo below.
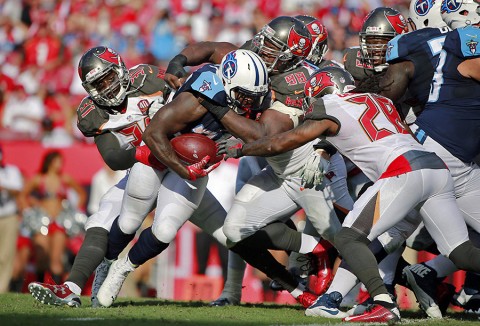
(194, 55)
(271, 123)
(470, 68)
(172, 118)
(396, 79)
(286, 141)
(115, 157)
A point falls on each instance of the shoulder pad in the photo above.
(463, 42)
(90, 118)
(205, 82)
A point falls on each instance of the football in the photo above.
(191, 148)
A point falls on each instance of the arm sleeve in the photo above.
(114, 156)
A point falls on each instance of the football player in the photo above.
(278, 43)
(448, 94)
(118, 107)
(385, 150)
(240, 83)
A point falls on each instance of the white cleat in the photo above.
(113, 282)
(100, 275)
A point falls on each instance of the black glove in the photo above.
(176, 66)
(230, 148)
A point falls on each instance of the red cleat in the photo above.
(376, 313)
(306, 299)
(323, 276)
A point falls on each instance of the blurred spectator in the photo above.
(11, 183)
(49, 215)
(23, 113)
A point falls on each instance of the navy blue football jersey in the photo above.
(205, 83)
(422, 47)
(452, 113)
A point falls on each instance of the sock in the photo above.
(384, 297)
(57, 278)
(388, 265)
(90, 255)
(73, 287)
(147, 247)
(298, 291)
(117, 241)
(308, 243)
(343, 282)
(442, 265)
(234, 281)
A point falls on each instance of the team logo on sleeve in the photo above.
(109, 55)
(299, 45)
(472, 45)
(422, 7)
(230, 66)
(449, 6)
(206, 86)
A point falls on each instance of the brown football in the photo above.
(191, 148)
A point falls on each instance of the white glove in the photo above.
(315, 168)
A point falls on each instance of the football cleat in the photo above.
(116, 276)
(360, 308)
(222, 302)
(423, 282)
(53, 294)
(100, 275)
(306, 299)
(377, 313)
(324, 275)
(469, 302)
(327, 305)
(445, 294)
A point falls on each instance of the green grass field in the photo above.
(22, 309)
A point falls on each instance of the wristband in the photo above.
(326, 146)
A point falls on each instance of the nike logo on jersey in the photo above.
(297, 92)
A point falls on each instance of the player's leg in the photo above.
(138, 201)
(248, 166)
(382, 206)
(259, 203)
(177, 200)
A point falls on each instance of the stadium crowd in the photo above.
(41, 44)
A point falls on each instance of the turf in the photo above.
(22, 309)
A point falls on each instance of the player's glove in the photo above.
(145, 156)
(232, 148)
(314, 169)
(201, 169)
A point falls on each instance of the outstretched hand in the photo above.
(201, 169)
(231, 148)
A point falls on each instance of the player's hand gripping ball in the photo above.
(192, 148)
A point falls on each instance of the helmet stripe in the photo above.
(257, 83)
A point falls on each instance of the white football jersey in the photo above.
(371, 134)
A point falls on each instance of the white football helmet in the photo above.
(245, 79)
(460, 13)
(425, 13)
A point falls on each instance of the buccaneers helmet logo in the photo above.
(109, 55)
(318, 30)
(298, 44)
(398, 23)
(318, 83)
